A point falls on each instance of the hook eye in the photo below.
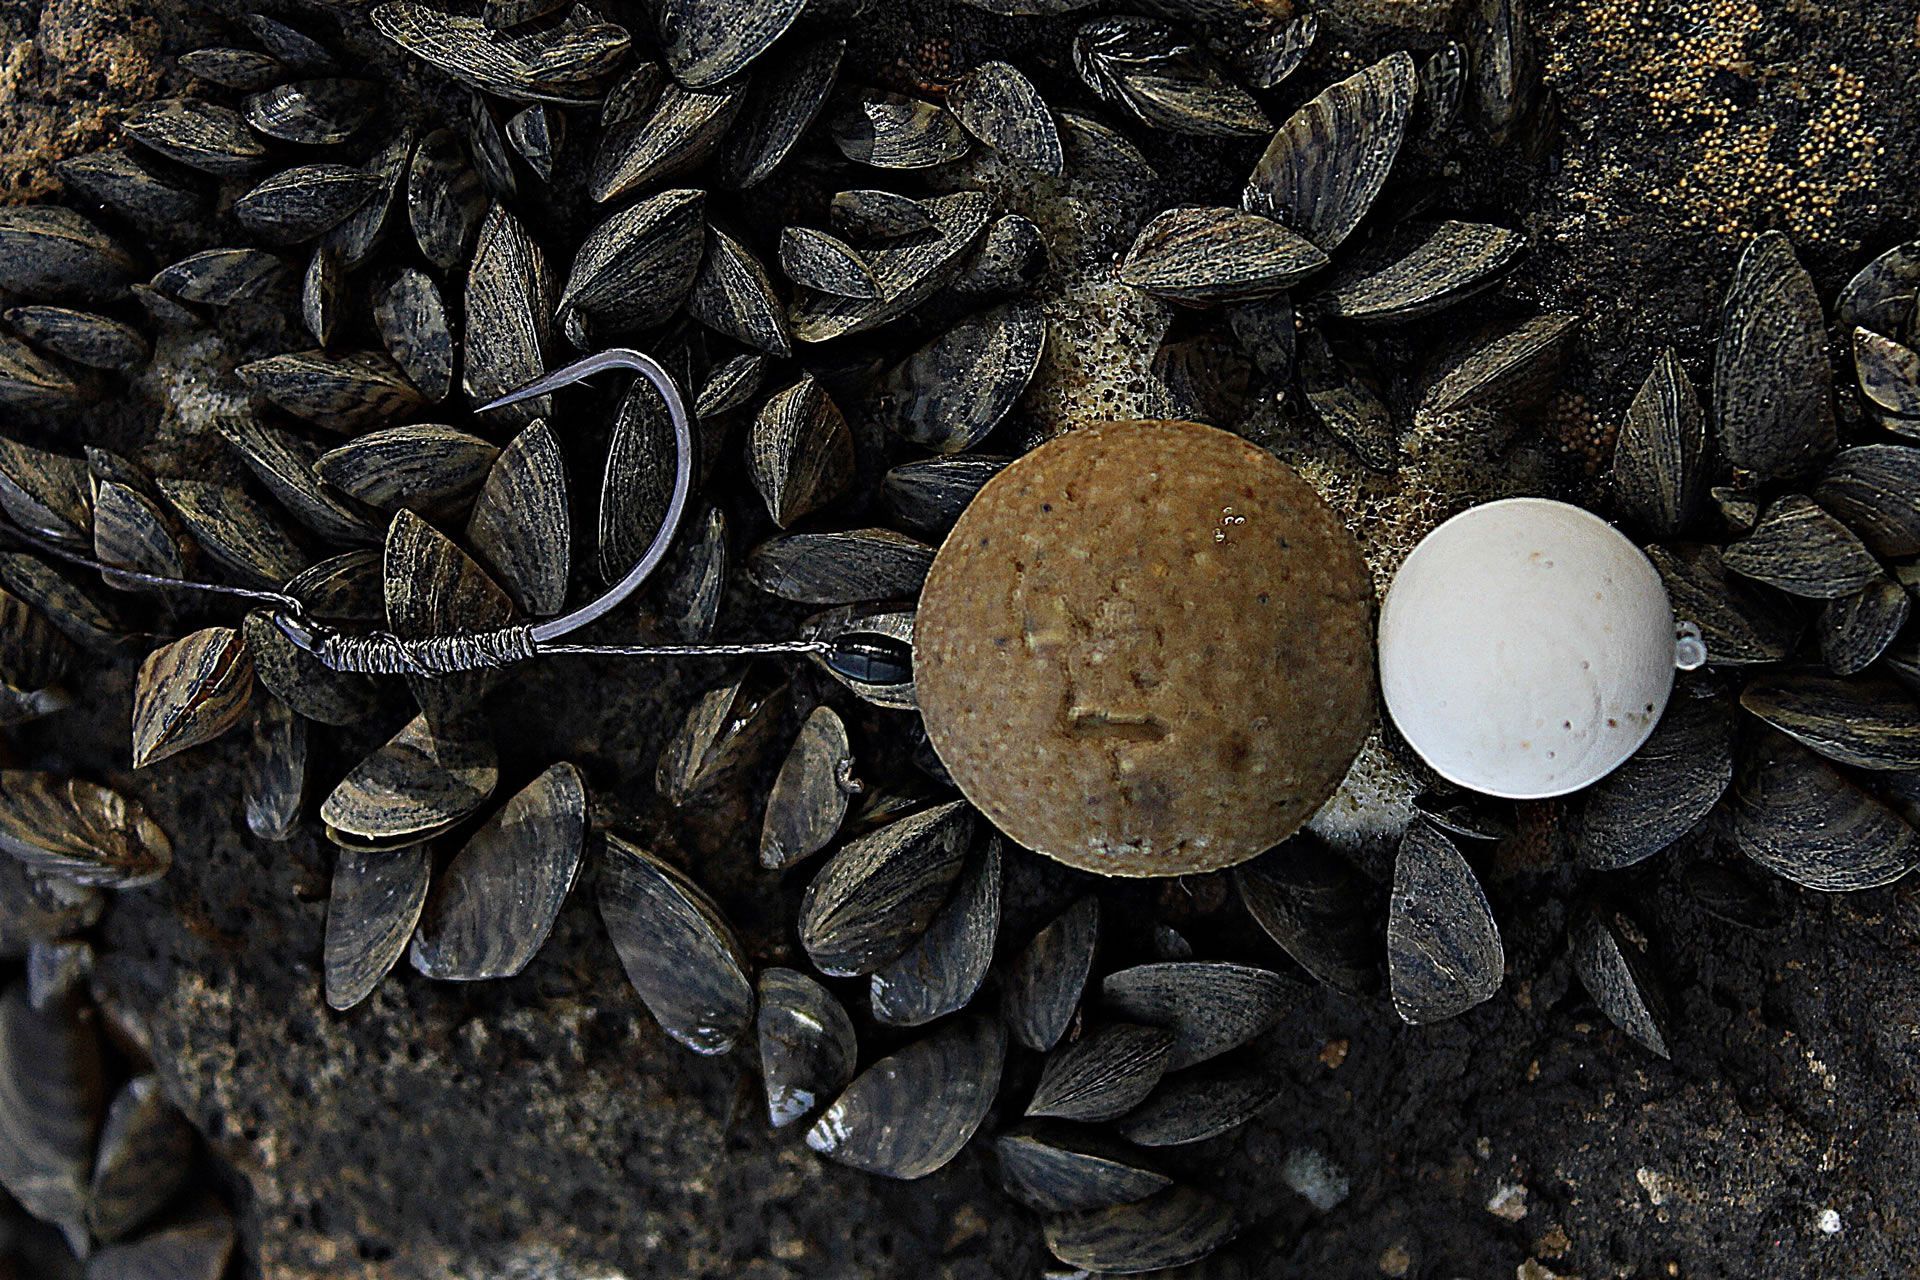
(294, 629)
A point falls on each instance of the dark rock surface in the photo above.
(546, 1127)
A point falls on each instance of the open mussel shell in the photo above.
(1659, 476)
(87, 833)
(800, 453)
(1673, 781)
(520, 526)
(807, 1045)
(871, 900)
(893, 131)
(1202, 1102)
(1889, 374)
(811, 792)
(910, 1113)
(276, 779)
(302, 681)
(1164, 79)
(1106, 1073)
(145, 1155)
(1865, 723)
(1320, 910)
(678, 951)
(1803, 819)
(371, 912)
(494, 904)
(1443, 947)
(1001, 109)
(189, 692)
(1061, 1169)
(1168, 1229)
(1620, 978)
(724, 732)
(1210, 1006)
(1744, 624)
(1042, 988)
(1772, 378)
(946, 964)
(52, 1094)
(849, 567)
(414, 787)
(1324, 167)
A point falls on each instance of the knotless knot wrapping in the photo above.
(384, 654)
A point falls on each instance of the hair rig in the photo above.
(863, 656)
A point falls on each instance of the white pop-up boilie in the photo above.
(1527, 648)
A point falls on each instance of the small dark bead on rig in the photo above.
(871, 658)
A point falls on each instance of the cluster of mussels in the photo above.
(890, 341)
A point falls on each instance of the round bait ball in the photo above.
(1526, 648)
(1145, 650)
